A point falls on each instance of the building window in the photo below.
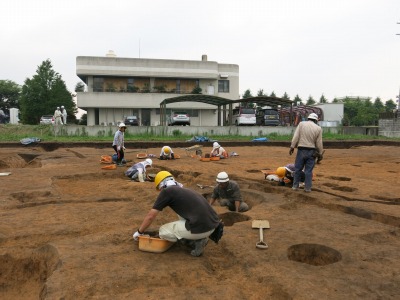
(223, 86)
(98, 83)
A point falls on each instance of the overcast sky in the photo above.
(307, 47)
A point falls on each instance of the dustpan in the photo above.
(261, 224)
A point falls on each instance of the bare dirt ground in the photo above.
(66, 228)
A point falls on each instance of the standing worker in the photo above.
(228, 193)
(197, 220)
(118, 143)
(308, 139)
(57, 117)
(64, 115)
(218, 151)
(166, 153)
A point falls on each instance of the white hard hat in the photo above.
(222, 177)
(62, 106)
(149, 161)
(216, 145)
(121, 125)
(313, 116)
(58, 107)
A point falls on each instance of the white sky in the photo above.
(307, 47)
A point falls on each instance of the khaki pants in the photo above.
(175, 231)
(231, 205)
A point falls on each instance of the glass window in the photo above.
(223, 86)
(98, 83)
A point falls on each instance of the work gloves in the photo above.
(136, 235)
(291, 151)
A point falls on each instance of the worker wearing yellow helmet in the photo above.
(197, 219)
(286, 175)
(166, 153)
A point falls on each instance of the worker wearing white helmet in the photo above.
(218, 151)
(167, 153)
(118, 143)
(308, 140)
(228, 194)
(57, 116)
(137, 171)
(64, 115)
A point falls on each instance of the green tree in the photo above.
(9, 94)
(260, 93)
(247, 94)
(323, 99)
(297, 100)
(285, 96)
(310, 100)
(42, 93)
(378, 105)
(83, 120)
(390, 105)
(272, 94)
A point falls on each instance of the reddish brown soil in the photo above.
(66, 228)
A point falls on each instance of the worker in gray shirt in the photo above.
(228, 193)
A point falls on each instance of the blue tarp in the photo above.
(263, 139)
(29, 140)
(200, 139)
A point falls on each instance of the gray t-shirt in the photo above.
(232, 192)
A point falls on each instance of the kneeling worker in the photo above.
(228, 193)
(197, 219)
(286, 175)
(166, 153)
(137, 172)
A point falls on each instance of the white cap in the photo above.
(58, 107)
(121, 125)
(222, 177)
(313, 116)
(216, 145)
(149, 161)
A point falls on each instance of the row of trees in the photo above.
(40, 95)
(357, 111)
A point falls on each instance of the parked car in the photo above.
(244, 116)
(267, 117)
(47, 119)
(131, 120)
(179, 118)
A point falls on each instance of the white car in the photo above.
(47, 120)
(179, 118)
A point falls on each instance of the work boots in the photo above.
(199, 247)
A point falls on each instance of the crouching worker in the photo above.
(286, 175)
(166, 153)
(228, 193)
(138, 171)
(197, 219)
(218, 151)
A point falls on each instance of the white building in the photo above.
(119, 87)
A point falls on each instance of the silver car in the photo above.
(179, 118)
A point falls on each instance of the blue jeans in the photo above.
(304, 159)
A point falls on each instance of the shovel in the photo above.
(261, 224)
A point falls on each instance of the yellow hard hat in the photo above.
(281, 172)
(167, 150)
(160, 177)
